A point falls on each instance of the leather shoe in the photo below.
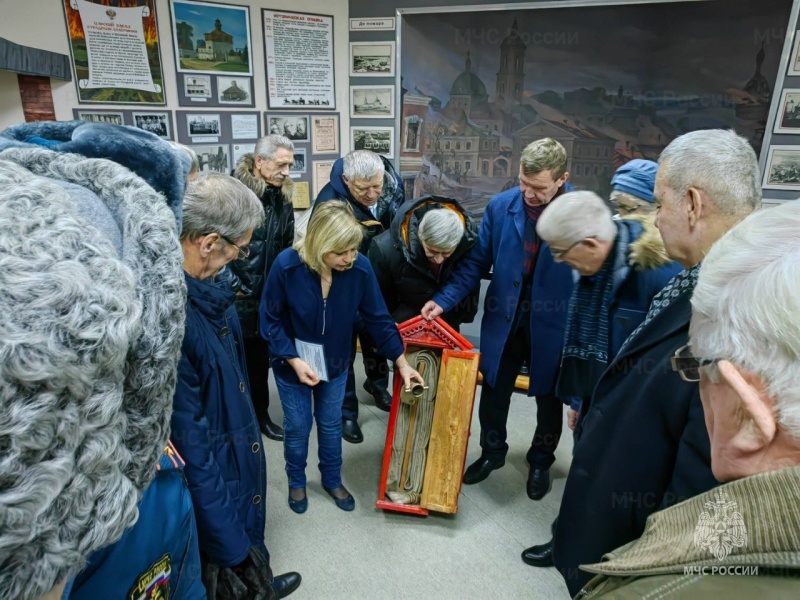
(351, 432)
(347, 503)
(285, 584)
(539, 556)
(298, 506)
(538, 483)
(272, 430)
(383, 399)
(480, 469)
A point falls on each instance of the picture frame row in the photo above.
(154, 121)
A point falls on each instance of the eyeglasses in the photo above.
(559, 254)
(687, 365)
(243, 251)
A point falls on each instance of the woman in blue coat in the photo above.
(310, 302)
(214, 426)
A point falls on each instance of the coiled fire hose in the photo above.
(413, 432)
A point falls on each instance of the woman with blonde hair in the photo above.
(313, 295)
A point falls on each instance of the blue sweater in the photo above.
(292, 308)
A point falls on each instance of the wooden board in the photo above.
(452, 417)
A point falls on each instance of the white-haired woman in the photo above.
(311, 299)
(214, 426)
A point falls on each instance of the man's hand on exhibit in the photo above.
(431, 310)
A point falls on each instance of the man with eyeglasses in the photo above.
(644, 444)
(266, 173)
(745, 353)
(524, 313)
(374, 190)
(622, 264)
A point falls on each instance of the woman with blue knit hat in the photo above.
(632, 187)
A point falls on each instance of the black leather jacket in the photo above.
(248, 275)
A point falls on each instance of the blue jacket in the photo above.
(500, 244)
(392, 197)
(158, 553)
(215, 428)
(292, 308)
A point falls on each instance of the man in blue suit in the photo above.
(524, 313)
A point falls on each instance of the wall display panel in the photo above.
(221, 128)
(483, 84)
(371, 101)
(299, 59)
(115, 51)
(155, 121)
(372, 59)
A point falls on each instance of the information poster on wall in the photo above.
(299, 57)
(115, 52)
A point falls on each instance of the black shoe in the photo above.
(287, 583)
(539, 556)
(298, 506)
(480, 469)
(351, 432)
(538, 483)
(383, 399)
(272, 430)
(347, 503)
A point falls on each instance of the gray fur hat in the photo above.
(91, 325)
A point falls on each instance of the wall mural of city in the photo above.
(610, 83)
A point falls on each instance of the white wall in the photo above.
(41, 24)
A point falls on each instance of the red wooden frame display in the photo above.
(422, 333)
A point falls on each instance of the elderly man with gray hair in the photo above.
(644, 444)
(622, 264)
(744, 351)
(266, 173)
(416, 257)
(374, 190)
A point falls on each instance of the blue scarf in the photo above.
(585, 355)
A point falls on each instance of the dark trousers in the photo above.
(256, 354)
(495, 402)
(375, 366)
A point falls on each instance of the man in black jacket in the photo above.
(266, 172)
(644, 444)
(416, 257)
(370, 185)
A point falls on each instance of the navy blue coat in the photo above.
(500, 243)
(216, 431)
(392, 197)
(644, 447)
(311, 319)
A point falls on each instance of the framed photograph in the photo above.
(794, 58)
(378, 139)
(371, 59)
(293, 127)
(239, 150)
(299, 165)
(115, 118)
(325, 134)
(371, 101)
(782, 170)
(208, 125)
(214, 157)
(298, 49)
(211, 38)
(197, 86)
(788, 118)
(154, 122)
(234, 90)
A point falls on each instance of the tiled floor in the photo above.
(370, 553)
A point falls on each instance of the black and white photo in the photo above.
(234, 90)
(299, 165)
(372, 59)
(788, 117)
(782, 171)
(115, 118)
(197, 86)
(158, 123)
(378, 139)
(371, 101)
(208, 125)
(294, 128)
(214, 157)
